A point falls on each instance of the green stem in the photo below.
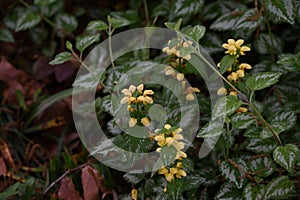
(110, 32)
(146, 11)
(275, 135)
(272, 41)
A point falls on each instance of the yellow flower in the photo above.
(162, 170)
(169, 141)
(140, 88)
(145, 121)
(167, 126)
(180, 76)
(132, 122)
(233, 76)
(241, 110)
(187, 57)
(233, 93)
(245, 66)
(148, 92)
(173, 170)
(165, 190)
(240, 73)
(125, 100)
(189, 97)
(134, 194)
(222, 91)
(231, 49)
(169, 177)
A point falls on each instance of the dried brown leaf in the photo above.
(67, 190)
(3, 169)
(90, 188)
(7, 154)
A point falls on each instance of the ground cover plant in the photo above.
(216, 105)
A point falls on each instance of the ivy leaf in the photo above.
(196, 32)
(43, 2)
(24, 20)
(225, 106)
(61, 58)
(226, 63)
(250, 20)
(96, 25)
(6, 35)
(280, 188)
(175, 188)
(242, 120)
(286, 156)
(282, 9)
(229, 191)
(168, 154)
(264, 165)
(82, 42)
(262, 80)
(234, 170)
(225, 22)
(253, 192)
(264, 45)
(66, 22)
(258, 145)
(118, 22)
(211, 129)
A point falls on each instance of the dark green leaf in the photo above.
(6, 35)
(261, 145)
(225, 22)
(254, 192)
(10, 191)
(242, 120)
(234, 171)
(65, 22)
(21, 99)
(290, 61)
(187, 7)
(43, 2)
(225, 106)
(53, 8)
(61, 58)
(211, 129)
(265, 45)
(282, 9)
(82, 42)
(133, 144)
(168, 154)
(226, 63)
(249, 21)
(133, 178)
(228, 191)
(196, 32)
(113, 128)
(262, 166)
(286, 156)
(262, 80)
(118, 22)
(175, 189)
(280, 188)
(96, 25)
(252, 132)
(24, 20)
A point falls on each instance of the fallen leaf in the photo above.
(5, 151)
(41, 68)
(3, 169)
(63, 71)
(67, 190)
(90, 188)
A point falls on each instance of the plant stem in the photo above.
(266, 124)
(110, 32)
(227, 140)
(271, 38)
(146, 11)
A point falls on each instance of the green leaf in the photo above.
(134, 178)
(211, 129)
(225, 22)
(249, 21)
(264, 44)
(262, 80)
(53, 8)
(229, 191)
(65, 22)
(187, 7)
(254, 192)
(26, 20)
(96, 25)
(172, 25)
(168, 154)
(280, 188)
(282, 9)
(290, 62)
(175, 188)
(252, 132)
(43, 2)
(261, 145)
(82, 42)
(118, 22)
(225, 106)
(21, 99)
(226, 63)
(133, 144)
(263, 166)
(286, 156)
(6, 35)
(113, 128)
(196, 32)
(234, 171)
(61, 58)
(242, 120)
(10, 191)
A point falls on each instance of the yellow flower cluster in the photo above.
(235, 47)
(175, 51)
(171, 136)
(134, 96)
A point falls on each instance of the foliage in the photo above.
(256, 46)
